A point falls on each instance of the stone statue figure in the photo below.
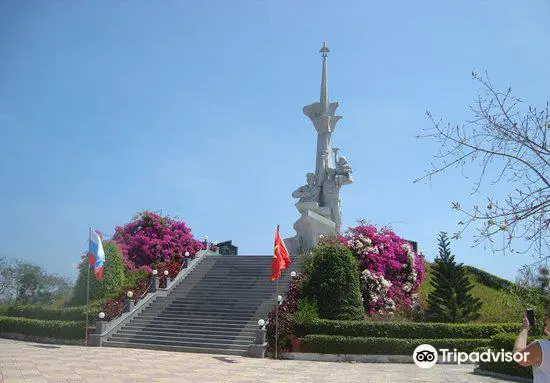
(343, 172)
(309, 192)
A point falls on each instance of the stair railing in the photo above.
(106, 328)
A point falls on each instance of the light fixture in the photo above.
(279, 298)
(155, 272)
(166, 272)
(187, 254)
(293, 274)
(130, 294)
(321, 236)
(261, 322)
(101, 315)
(206, 238)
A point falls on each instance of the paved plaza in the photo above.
(33, 362)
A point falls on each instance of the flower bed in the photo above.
(391, 272)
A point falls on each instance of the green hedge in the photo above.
(45, 312)
(335, 344)
(404, 330)
(488, 279)
(506, 342)
(43, 328)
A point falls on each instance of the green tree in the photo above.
(334, 283)
(450, 301)
(111, 283)
(28, 284)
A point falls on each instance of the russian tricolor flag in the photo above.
(96, 255)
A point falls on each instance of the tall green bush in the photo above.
(111, 283)
(334, 283)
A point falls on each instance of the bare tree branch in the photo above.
(501, 135)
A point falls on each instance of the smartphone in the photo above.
(530, 317)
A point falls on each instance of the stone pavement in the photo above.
(32, 362)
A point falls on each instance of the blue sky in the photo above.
(108, 108)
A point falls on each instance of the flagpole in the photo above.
(87, 291)
(277, 318)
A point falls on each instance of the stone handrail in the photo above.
(105, 329)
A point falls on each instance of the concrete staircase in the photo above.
(215, 309)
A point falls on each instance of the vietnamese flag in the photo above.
(281, 259)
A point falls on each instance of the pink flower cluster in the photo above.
(153, 238)
(391, 272)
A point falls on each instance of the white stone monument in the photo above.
(319, 199)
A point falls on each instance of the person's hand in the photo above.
(525, 325)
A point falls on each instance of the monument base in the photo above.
(308, 229)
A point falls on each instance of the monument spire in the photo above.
(324, 85)
(319, 199)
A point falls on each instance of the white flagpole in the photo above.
(87, 290)
(277, 317)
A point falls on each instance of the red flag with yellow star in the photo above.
(281, 259)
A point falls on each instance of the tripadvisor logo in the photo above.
(426, 356)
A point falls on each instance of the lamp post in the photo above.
(260, 334)
(205, 242)
(154, 282)
(129, 306)
(100, 324)
(167, 278)
(186, 260)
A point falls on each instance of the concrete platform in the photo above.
(22, 362)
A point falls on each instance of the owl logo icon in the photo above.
(425, 356)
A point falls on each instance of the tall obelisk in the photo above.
(319, 199)
(322, 115)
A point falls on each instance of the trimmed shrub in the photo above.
(405, 330)
(335, 344)
(113, 277)
(45, 312)
(44, 328)
(307, 311)
(334, 283)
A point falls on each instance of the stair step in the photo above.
(194, 327)
(217, 344)
(217, 300)
(187, 316)
(198, 321)
(183, 331)
(160, 338)
(209, 350)
(210, 308)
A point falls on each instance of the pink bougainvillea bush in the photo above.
(391, 272)
(152, 239)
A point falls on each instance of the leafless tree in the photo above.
(527, 276)
(509, 144)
